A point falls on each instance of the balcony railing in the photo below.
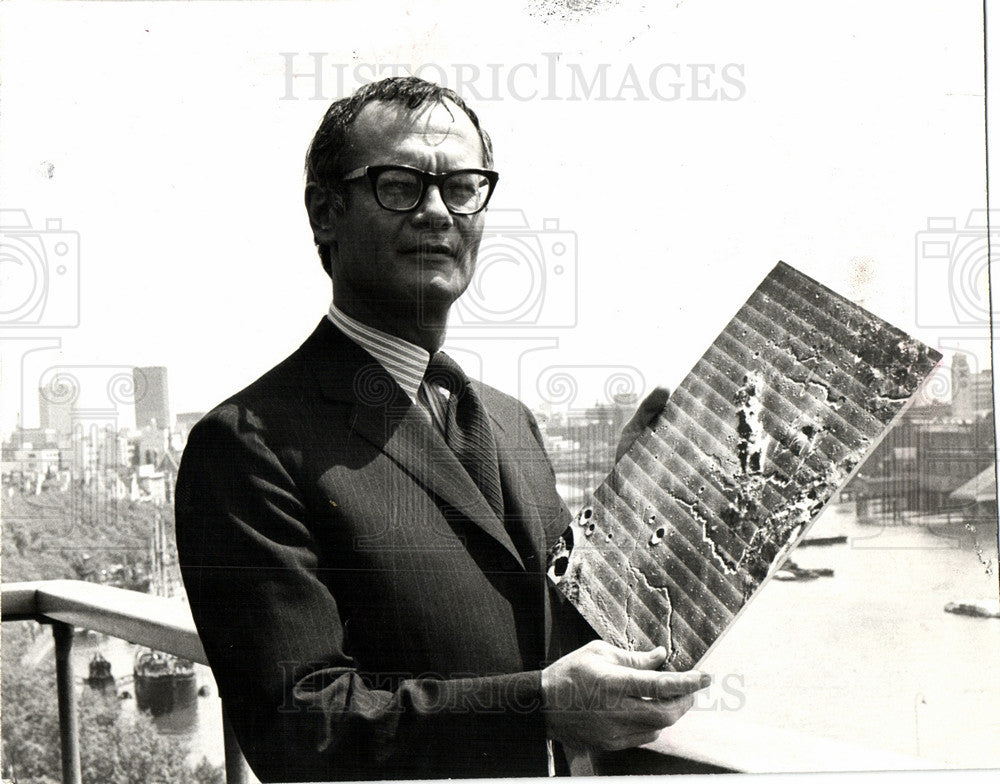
(151, 621)
(703, 742)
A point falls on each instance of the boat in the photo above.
(163, 682)
(787, 575)
(822, 541)
(791, 571)
(99, 675)
(977, 608)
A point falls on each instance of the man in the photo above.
(372, 600)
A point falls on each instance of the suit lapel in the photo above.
(417, 447)
(384, 416)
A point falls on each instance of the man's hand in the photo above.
(601, 697)
(648, 408)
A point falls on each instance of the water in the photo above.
(869, 656)
(199, 724)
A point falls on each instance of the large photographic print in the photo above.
(707, 504)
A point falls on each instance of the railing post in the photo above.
(236, 765)
(69, 723)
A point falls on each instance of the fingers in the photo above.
(657, 685)
(679, 707)
(639, 660)
(642, 715)
(600, 696)
(646, 720)
(635, 673)
(652, 405)
(630, 741)
(647, 411)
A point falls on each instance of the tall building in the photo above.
(55, 407)
(959, 375)
(152, 406)
(971, 394)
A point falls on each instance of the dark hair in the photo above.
(324, 158)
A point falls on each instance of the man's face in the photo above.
(405, 263)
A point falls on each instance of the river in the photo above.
(869, 656)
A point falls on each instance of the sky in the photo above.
(656, 162)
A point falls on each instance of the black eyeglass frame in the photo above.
(426, 178)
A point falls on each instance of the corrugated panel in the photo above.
(771, 422)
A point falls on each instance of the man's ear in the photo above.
(324, 208)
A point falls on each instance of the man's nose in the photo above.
(432, 209)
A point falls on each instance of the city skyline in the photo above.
(57, 412)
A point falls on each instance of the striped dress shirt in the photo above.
(402, 360)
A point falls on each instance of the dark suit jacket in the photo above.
(365, 613)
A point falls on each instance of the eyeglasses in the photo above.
(402, 188)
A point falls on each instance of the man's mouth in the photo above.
(432, 248)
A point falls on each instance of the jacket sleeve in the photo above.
(301, 707)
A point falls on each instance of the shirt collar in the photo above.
(402, 360)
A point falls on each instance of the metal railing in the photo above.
(152, 621)
(703, 742)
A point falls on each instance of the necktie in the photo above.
(467, 428)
